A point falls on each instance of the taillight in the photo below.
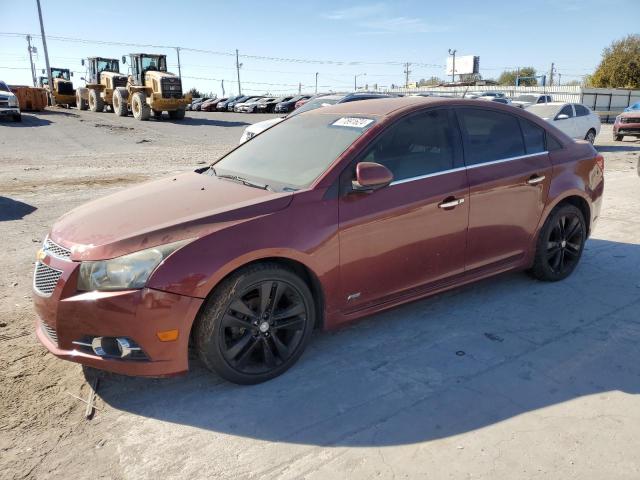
(600, 162)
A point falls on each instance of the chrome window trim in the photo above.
(459, 169)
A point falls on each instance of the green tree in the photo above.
(508, 77)
(620, 65)
(430, 82)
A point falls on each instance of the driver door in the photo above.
(403, 237)
(567, 125)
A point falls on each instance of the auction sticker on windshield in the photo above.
(352, 122)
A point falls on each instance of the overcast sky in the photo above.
(367, 37)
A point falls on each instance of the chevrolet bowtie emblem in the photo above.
(40, 255)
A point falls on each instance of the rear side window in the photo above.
(566, 110)
(490, 135)
(533, 136)
(419, 145)
(581, 110)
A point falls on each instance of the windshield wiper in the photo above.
(242, 180)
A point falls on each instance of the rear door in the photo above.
(412, 232)
(509, 172)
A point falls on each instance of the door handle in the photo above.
(451, 203)
(536, 179)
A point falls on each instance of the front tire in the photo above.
(81, 103)
(17, 117)
(591, 136)
(96, 103)
(560, 244)
(177, 114)
(256, 324)
(141, 110)
(120, 102)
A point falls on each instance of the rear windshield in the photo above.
(544, 110)
(526, 98)
(292, 154)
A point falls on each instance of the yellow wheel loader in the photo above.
(150, 88)
(103, 77)
(62, 92)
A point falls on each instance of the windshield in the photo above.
(3, 87)
(106, 65)
(154, 63)
(526, 98)
(545, 110)
(295, 152)
(317, 103)
(60, 73)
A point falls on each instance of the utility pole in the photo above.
(222, 85)
(406, 74)
(179, 71)
(453, 69)
(299, 88)
(238, 65)
(46, 53)
(32, 50)
(518, 77)
(559, 79)
(551, 74)
(316, 82)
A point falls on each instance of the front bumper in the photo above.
(158, 102)
(71, 316)
(620, 128)
(9, 111)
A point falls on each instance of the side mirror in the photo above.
(562, 116)
(124, 59)
(82, 62)
(83, 79)
(371, 176)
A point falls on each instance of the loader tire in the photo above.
(139, 107)
(120, 96)
(96, 103)
(81, 103)
(177, 114)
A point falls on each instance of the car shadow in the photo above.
(435, 368)
(28, 120)
(11, 209)
(205, 121)
(634, 147)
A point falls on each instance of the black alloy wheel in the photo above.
(560, 244)
(256, 324)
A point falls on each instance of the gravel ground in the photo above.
(507, 378)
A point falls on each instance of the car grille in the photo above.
(119, 81)
(171, 87)
(65, 88)
(630, 120)
(56, 250)
(50, 332)
(45, 279)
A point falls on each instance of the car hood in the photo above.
(630, 113)
(7, 94)
(159, 212)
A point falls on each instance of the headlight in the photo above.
(13, 101)
(128, 271)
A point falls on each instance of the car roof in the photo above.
(378, 107)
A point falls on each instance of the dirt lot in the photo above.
(508, 378)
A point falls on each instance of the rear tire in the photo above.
(177, 114)
(590, 136)
(560, 244)
(256, 324)
(120, 102)
(81, 103)
(139, 106)
(96, 103)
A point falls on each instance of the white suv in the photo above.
(9, 106)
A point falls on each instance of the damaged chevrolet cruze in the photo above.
(370, 205)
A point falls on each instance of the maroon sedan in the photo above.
(372, 204)
(627, 124)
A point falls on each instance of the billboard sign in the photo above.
(465, 65)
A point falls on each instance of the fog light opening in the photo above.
(116, 347)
